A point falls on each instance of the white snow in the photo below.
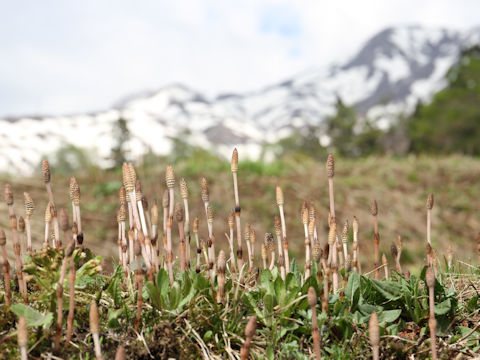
(266, 115)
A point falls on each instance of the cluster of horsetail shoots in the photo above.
(139, 242)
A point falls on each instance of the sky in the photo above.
(66, 56)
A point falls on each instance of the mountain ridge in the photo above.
(389, 74)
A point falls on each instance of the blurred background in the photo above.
(391, 88)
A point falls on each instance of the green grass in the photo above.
(184, 319)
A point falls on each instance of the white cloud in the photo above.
(78, 56)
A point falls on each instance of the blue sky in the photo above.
(64, 56)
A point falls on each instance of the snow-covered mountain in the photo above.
(388, 75)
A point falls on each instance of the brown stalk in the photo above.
(221, 264)
(432, 322)
(312, 301)
(146, 245)
(333, 252)
(22, 336)
(385, 265)
(234, 168)
(64, 225)
(203, 246)
(376, 240)
(58, 332)
(154, 220)
(122, 217)
(450, 256)
(139, 281)
(71, 304)
(270, 245)
(58, 241)
(75, 233)
(179, 218)
(59, 293)
(280, 203)
(6, 268)
(394, 252)
(46, 179)
(48, 219)
(330, 174)
(143, 253)
(345, 240)
(184, 191)
(138, 284)
(374, 335)
(332, 234)
(29, 208)
(75, 197)
(21, 231)
(122, 195)
(252, 239)
(312, 215)
(399, 249)
(149, 227)
(197, 242)
(247, 241)
(249, 332)
(231, 224)
(304, 215)
(211, 242)
(95, 329)
(170, 181)
(120, 354)
(326, 290)
(16, 244)
(264, 256)
(119, 239)
(165, 205)
(278, 234)
(356, 247)
(339, 252)
(429, 204)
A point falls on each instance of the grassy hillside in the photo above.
(400, 186)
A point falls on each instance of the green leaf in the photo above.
(443, 308)
(390, 290)
(388, 316)
(163, 282)
(154, 295)
(208, 335)
(33, 317)
(472, 304)
(115, 291)
(352, 288)
(113, 316)
(270, 353)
